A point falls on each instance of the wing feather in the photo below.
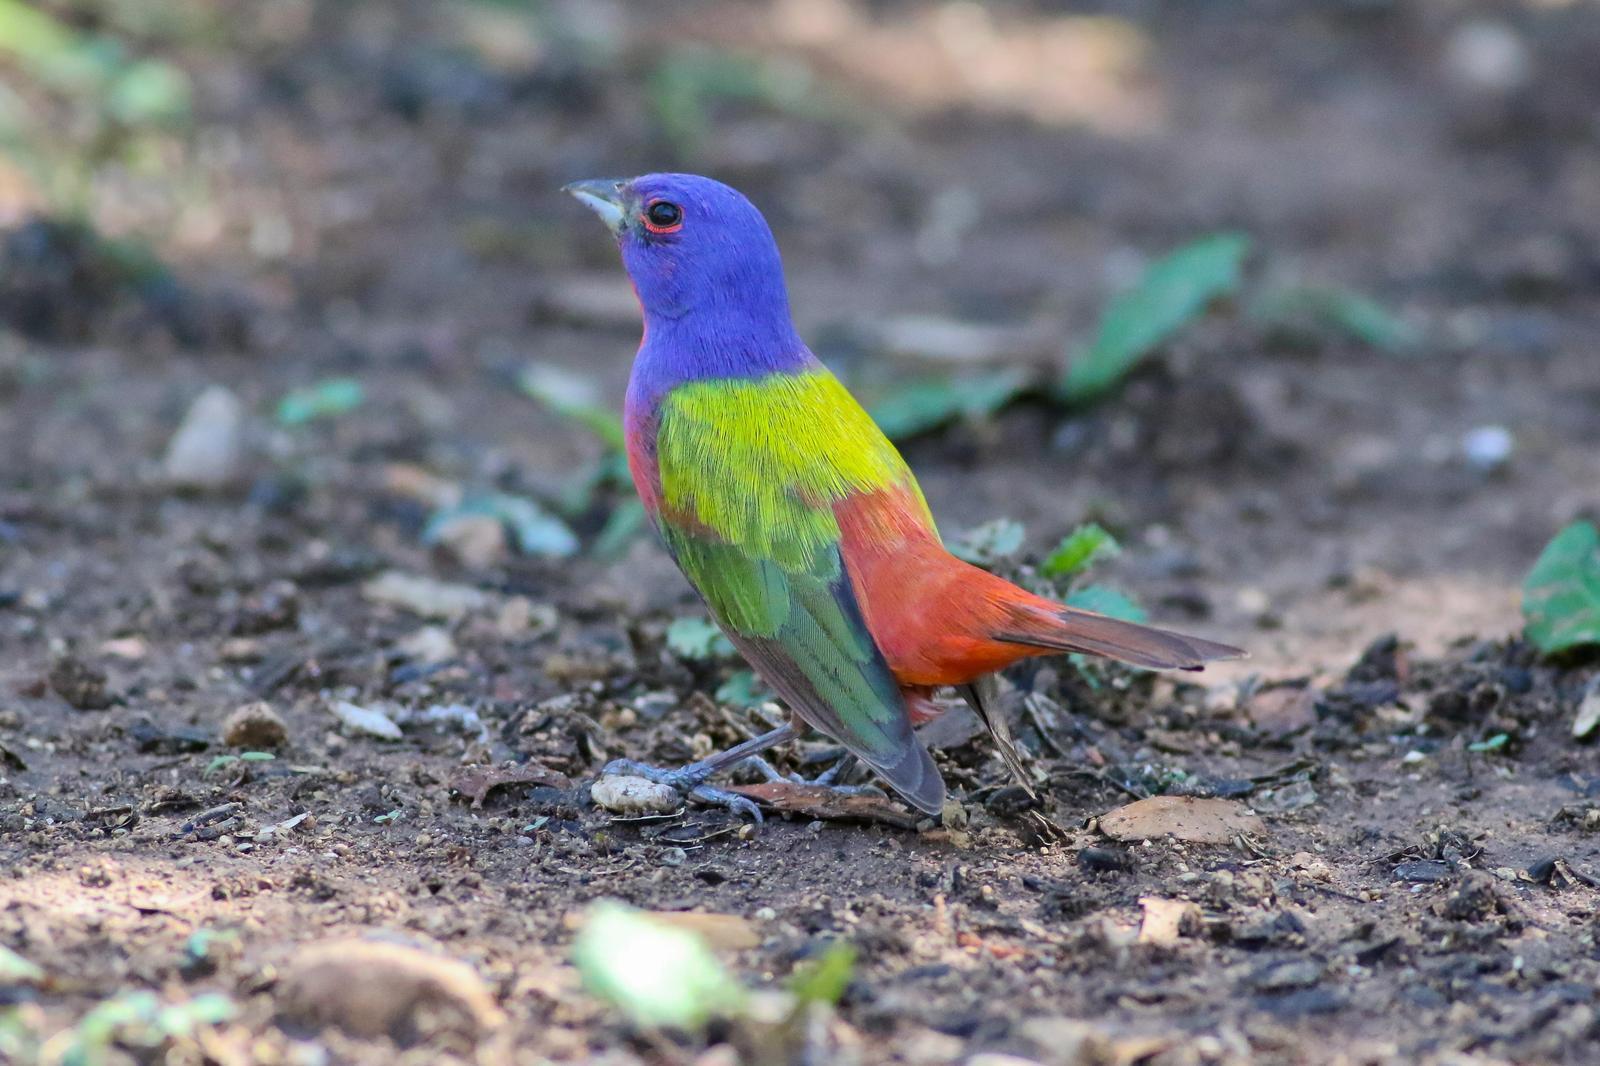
(749, 473)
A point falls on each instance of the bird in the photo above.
(796, 519)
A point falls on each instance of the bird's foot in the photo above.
(827, 779)
(690, 781)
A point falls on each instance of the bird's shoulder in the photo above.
(761, 462)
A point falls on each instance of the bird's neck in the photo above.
(749, 341)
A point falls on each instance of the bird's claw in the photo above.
(690, 781)
(721, 797)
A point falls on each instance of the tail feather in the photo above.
(982, 696)
(1072, 630)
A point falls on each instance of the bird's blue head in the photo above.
(706, 269)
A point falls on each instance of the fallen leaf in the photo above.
(1175, 290)
(1195, 821)
(989, 543)
(1561, 597)
(697, 639)
(654, 974)
(725, 932)
(818, 801)
(1107, 601)
(1079, 550)
(371, 989)
(331, 396)
(476, 782)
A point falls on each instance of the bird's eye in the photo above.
(663, 216)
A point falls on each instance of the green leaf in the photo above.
(1107, 601)
(622, 525)
(1079, 550)
(1494, 743)
(331, 396)
(989, 543)
(219, 762)
(149, 91)
(574, 397)
(1561, 597)
(182, 1019)
(16, 970)
(1174, 291)
(534, 530)
(697, 639)
(690, 80)
(927, 404)
(657, 976)
(824, 980)
(1323, 309)
(743, 689)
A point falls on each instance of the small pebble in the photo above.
(205, 451)
(254, 726)
(1487, 447)
(635, 795)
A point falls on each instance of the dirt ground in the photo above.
(378, 205)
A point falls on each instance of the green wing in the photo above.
(749, 519)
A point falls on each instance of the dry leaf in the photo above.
(374, 988)
(476, 782)
(817, 801)
(722, 931)
(1196, 821)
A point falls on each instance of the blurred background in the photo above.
(309, 374)
(1387, 412)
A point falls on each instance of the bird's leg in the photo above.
(691, 779)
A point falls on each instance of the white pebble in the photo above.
(1487, 447)
(635, 795)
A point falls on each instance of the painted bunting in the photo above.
(794, 516)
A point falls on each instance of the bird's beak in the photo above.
(603, 196)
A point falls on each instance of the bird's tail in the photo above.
(1061, 628)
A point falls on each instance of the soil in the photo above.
(379, 205)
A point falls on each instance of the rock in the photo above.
(80, 684)
(473, 540)
(1487, 56)
(1165, 920)
(129, 649)
(275, 606)
(1072, 1041)
(520, 617)
(1284, 711)
(369, 720)
(375, 989)
(427, 646)
(255, 726)
(635, 795)
(424, 596)
(1587, 719)
(1196, 821)
(206, 450)
(1487, 448)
